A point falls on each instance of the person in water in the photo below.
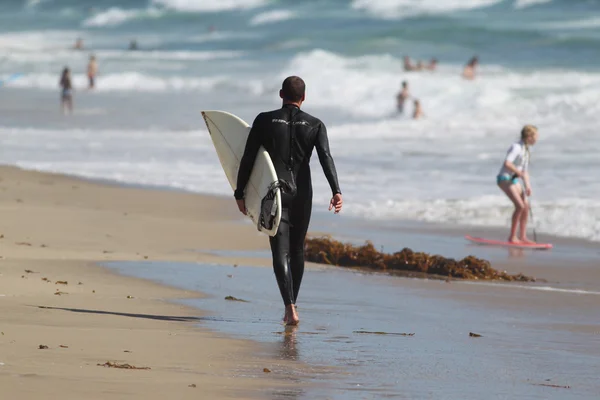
(78, 44)
(402, 97)
(432, 66)
(289, 135)
(92, 71)
(469, 70)
(418, 111)
(66, 96)
(515, 169)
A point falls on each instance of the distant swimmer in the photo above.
(78, 44)
(514, 171)
(418, 111)
(469, 70)
(92, 72)
(402, 96)
(133, 45)
(432, 64)
(408, 65)
(66, 92)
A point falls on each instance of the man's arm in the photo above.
(326, 160)
(253, 143)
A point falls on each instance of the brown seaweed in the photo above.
(326, 250)
(122, 366)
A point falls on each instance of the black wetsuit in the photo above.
(279, 131)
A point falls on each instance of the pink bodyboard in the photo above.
(539, 246)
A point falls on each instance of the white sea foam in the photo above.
(209, 5)
(390, 9)
(520, 4)
(532, 287)
(578, 24)
(273, 16)
(116, 16)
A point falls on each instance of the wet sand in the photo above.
(53, 229)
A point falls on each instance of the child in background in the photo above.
(66, 91)
(513, 170)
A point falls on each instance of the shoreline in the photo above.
(405, 225)
(55, 292)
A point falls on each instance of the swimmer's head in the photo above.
(529, 135)
(404, 84)
(293, 89)
(474, 61)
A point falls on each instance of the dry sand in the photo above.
(54, 228)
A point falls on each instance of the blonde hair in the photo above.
(528, 131)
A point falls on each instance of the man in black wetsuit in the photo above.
(289, 136)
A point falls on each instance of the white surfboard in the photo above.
(229, 134)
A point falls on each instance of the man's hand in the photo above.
(336, 203)
(242, 206)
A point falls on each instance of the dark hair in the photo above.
(404, 83)
(293, 88)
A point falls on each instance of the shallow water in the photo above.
(520, 349)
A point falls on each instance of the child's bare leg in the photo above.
(514, 192)
(523, 224)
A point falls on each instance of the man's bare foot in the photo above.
(291, 316)
(514, 240)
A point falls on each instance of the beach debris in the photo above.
(59, 293)
(22, 276)
(193, 385)
(43, 245)
(472, 334)
(28, 271)
(45, 279)
(130, 297)
(107, 251)
(266, 370)
(93, 291)
(231, 298)
(62, 346)
(2, 333)
(80, 283)
(23, 244)
(1, 236)
(326, 250)
(552, 385)
(384, 333)
(235, 265)
(19, 201)
(42, 347)
(229, 276)
(61, 283)
(110, 364)
(126, 351)
(145, 257)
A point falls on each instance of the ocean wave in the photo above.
(586, 23)
(209, 6)
(270, 17)
(138, 82)
(569, 217)
(391, 9)
(521, 4)
(117, 16)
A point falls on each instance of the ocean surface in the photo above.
(539, 64)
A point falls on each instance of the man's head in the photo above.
(293, 90)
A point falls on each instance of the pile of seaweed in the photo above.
(325, 250)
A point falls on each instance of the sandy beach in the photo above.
(54, 228)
